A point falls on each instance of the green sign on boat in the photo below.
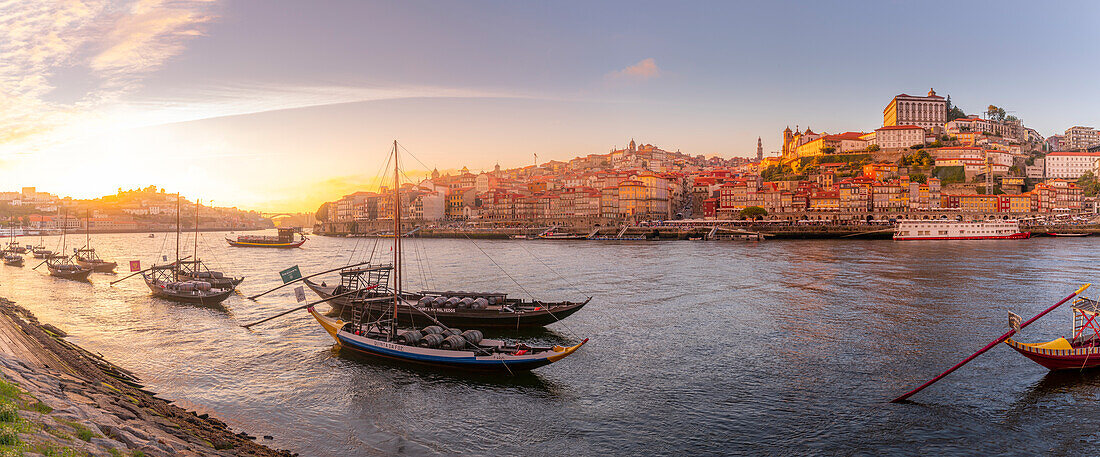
(290, 274)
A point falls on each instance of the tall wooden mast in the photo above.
(177, 269)
(396, 242)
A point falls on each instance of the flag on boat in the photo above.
(290, 274)
(300, 293)
(1014, 321)
(135, 265)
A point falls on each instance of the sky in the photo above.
(281, 105)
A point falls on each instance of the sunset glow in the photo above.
(282, 107)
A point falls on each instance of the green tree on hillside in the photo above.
(1089, 184)
(753, 212)
(322, 212)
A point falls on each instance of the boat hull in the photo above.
(462, 318)
(75, 275)
(214, 299)
(101, 267)
(1014, 236)
(14, 263)
(440, 358)
(246, 244)
(1054, 358)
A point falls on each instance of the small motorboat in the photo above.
(1067, 234)
(1079, 351)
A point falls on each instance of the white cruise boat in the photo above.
(959, 230)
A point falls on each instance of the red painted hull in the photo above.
(1014, 236)
(1060, 359)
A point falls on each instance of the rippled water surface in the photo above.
(696, 348)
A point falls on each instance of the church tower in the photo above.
(633, 147)
(759, 149)
(435, 173)
(788, 137)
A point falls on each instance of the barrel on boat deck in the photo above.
(452, 302)
(431, 340)
(451, 332)
(473, 336)
(454, 342)
(424, 301)
(464, 303)
(432, 329)
(438, 302)
(480, 303)
(410, 337)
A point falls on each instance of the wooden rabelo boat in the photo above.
(12, 253)
(188, 282)
(12, 258)
(40, 252)
(62, 266)
(86, 255)
(453, 308)
(285, 239)
(1081, 350)
(378, 334)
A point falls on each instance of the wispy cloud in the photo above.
(641, 71)
(116, 42)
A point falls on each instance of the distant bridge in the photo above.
(274, 215)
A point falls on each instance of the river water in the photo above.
(696, 348)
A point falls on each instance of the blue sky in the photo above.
(325, 86)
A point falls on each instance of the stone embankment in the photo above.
(58, 399)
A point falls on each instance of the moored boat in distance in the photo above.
(942, 229)
(1066, 234)
(86, 257)
(285, 239)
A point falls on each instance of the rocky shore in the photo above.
(57, 399)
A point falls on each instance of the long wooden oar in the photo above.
(304, 278)
(143, 271)
(300, 307)
(989, 346)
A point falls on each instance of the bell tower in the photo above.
(759, 149)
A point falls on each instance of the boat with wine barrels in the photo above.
(284, 239)
(1079, 351)
(12, 258)
(375, 331)
(163, 283)
(188, 281)
(453, 308)
(40, 252)
(86, 257)
(62, 266)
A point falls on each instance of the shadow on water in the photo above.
(1055, 384)
(398, 370)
